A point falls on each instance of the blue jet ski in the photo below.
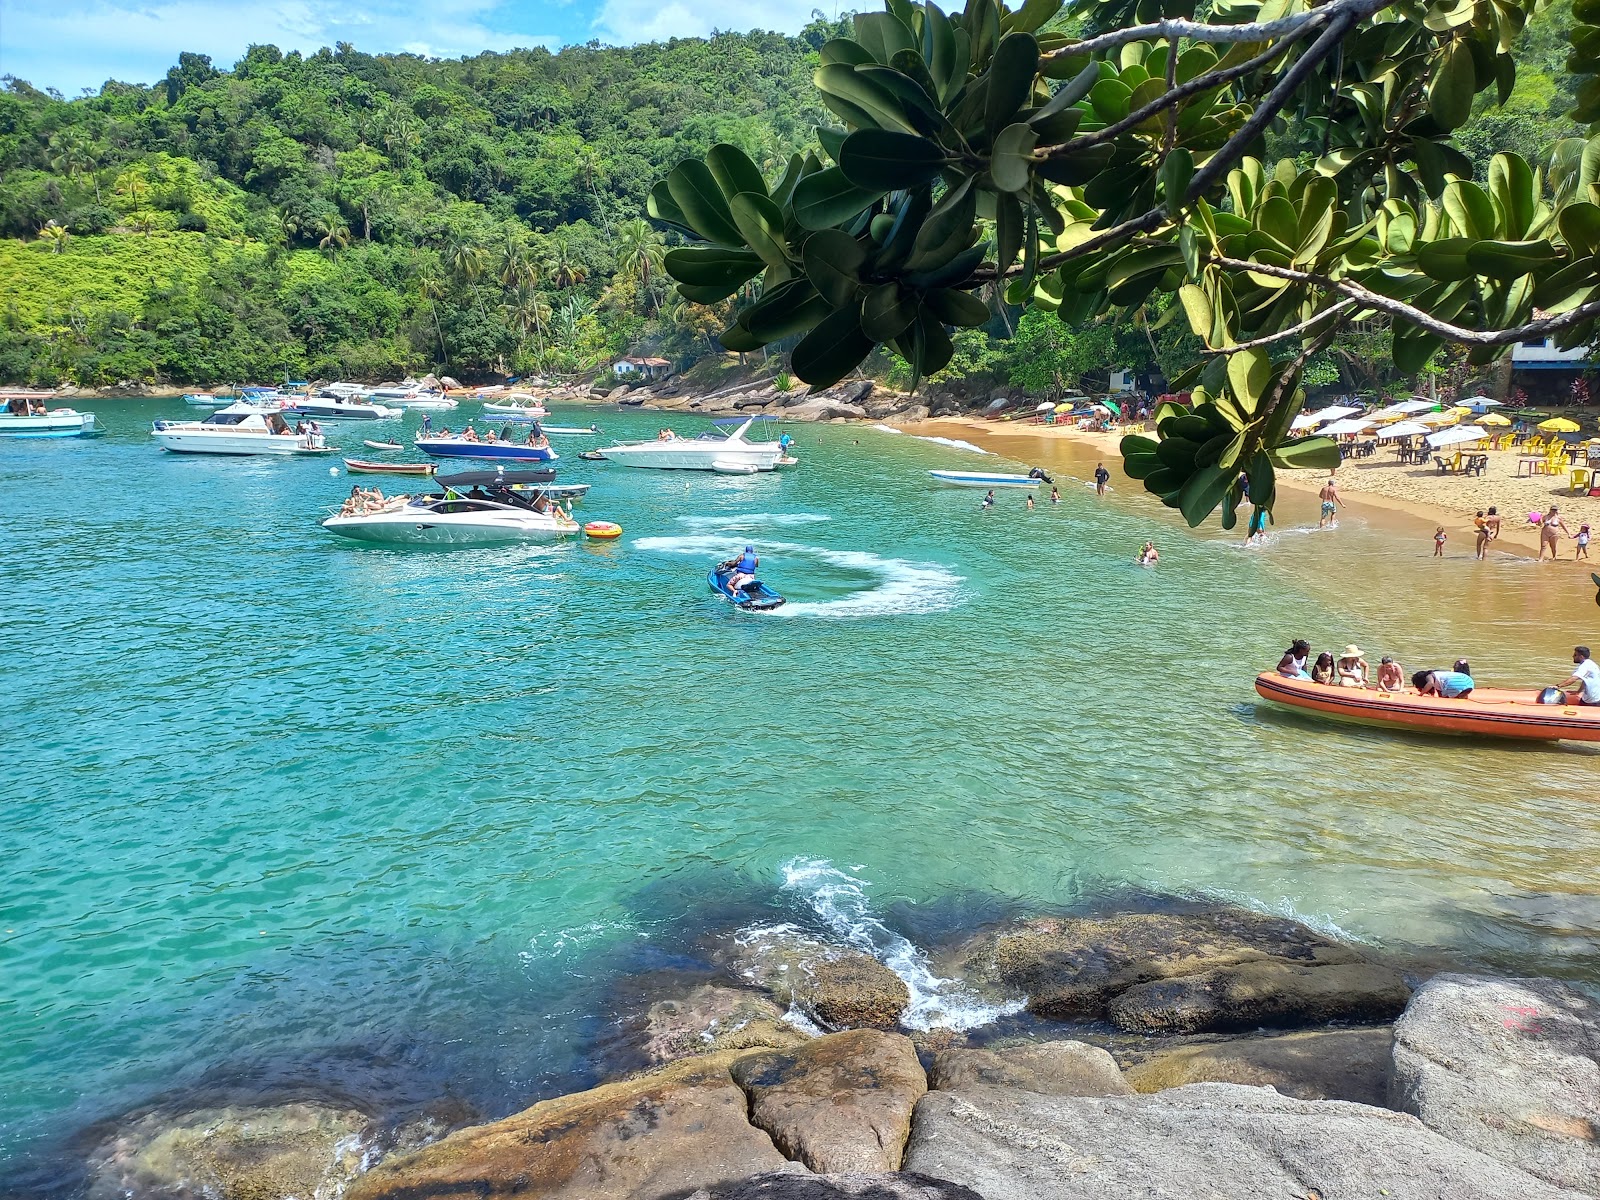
(754, 596)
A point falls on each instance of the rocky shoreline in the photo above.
(1213, 1053)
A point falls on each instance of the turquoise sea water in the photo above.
(281, 809)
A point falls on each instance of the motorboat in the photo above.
(412, 395)
(991, 479)
(206, 400)
(56, 423)
(327, 407)
(754, 596)
(486, 448)
(357, 466)
(515, 404)
(376, 445)
(1484, 712)
(474, 508)
(556, 491)
(237, 429)
(726, 449)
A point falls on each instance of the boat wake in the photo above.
(743, 521)
(840, 902)
(901, 588)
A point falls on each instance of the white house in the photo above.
(1541, 354)
(641, 368)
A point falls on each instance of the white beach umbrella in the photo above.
(1456, 436)
(1401, 429)
(1045, 406)
(1343, 428)
(1415, 406)
(1332, 413)
(1479, 403)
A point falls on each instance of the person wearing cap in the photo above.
(744, 571)
(1352, 667)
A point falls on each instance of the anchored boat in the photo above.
(991, 479)
(475, 508)
(57, 423)
(1486, 712)
(728, 453)
(238, 429)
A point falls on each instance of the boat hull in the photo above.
(1486, 712)
(455, 448)
(514, 410)
(332, 410)
(420, 403)
(50, 425)
(731, 460)
(981, 479)
(235, 444)
(357, 466)
(428, 529)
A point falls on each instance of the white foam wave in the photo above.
(742, 521)
(840, 900)
(956, 444)
(887, 429)
(902, 587)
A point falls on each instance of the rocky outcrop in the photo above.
(1318, 1064)
(710, 1018)
(1048, 1068)
(836, 987)
(838, 1187)
(1510, 1067)
(1160, 972)
(670, 1132)
(1216, 1141)
(821, 408)
(232, 1154)
(840, 1103)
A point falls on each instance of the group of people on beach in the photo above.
(1349, 669)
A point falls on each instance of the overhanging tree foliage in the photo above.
(1091, 171)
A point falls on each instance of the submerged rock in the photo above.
(1510, 1067)
(1317, 1064)
(300, 1150)
(837, 987)
(1216, 1141)
(1263, 993)
(840, 1103)
(905, 1186)
(1048, 1068)
(668, 1132)
(710, 1018)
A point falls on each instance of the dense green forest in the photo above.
(347, 215)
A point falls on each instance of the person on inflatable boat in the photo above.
(744, 571)
(1452, 685)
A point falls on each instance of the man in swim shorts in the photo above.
(1331, 503)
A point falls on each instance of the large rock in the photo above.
(836, 987)
(1072, 968)
(1317, 1064)
(817, 408)
(1208, 1141)
(1510, 1067)
(840, 1103)
(914, 415)
(1049, 1068)
(710, 1018)
(1265, 993)
(838, 1187)
(270, 1153)
(672, 1131)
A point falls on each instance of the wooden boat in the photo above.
(1487, 712)
(357, 467)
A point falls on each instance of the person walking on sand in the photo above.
(1101, 478)
(1439, 536)
(1491, 523)
(1331, 504)
(1583, 542)
(1551, 527)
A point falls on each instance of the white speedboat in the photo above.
(57, 423)
(476, 508)
(729, 452)
(412, 395)
(328, 407)
(515, 404)
(237, 429)
(206, 400)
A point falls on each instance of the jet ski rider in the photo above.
(744, 571)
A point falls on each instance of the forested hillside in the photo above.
(359, 216)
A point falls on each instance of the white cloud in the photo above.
(626, 21)
(72, 44)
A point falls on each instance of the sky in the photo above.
(75, 44)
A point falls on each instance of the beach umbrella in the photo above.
(1479, 403)
(1344, 428)
(1559, 425)
(1438, 419)
(1065, 406)
(1117, 408)
(1046, 406)
(1401, 429)
(1493, 419)
(1456, 436)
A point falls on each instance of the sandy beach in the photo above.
(1419, 494)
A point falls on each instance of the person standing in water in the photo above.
(1030, 501)
(1055, 495)
(988, 500)
(1101, 478)
(1331, 504)
(1550, 531)
(1439, 536)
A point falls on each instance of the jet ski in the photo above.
(754, 596)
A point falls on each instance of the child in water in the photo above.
(1439, 536)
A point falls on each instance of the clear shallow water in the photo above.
(280, 807)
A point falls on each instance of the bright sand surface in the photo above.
(1418, 496)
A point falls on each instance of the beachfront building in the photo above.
(1546, 373)
(633, 369)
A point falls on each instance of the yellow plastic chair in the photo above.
(1580, 479)
(1455, 462)
(1534, 444)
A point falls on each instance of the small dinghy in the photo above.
(371, 445)
(990, 479)
(754, 596)
(592, 456)
(358, 466)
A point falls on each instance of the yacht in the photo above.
(327, 406)
(476, 508)
(726, 450)
(411, 394)
(17, 422)
(515, 404)
(237, 429)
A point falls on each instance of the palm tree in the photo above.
(72, 155)
(528, 313)
(144, 222)
(400, 138)
(516, 268)
(567, 318)
(641, 255)
(55, 234)
(466, 259)
(566, 271)
(335, 234)
(433, 290)
(291, 225)
(589, 166)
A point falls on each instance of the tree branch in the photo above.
(1284, 335)
(1199, 31)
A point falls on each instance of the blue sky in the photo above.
(75, 44)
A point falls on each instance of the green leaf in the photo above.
(828, 198)
(1412, 347)
(832, 140)
(937, 347)
(791, 308)
(739, 339)
(694, 189)
(1007, 230)
(1075, 89)
(883, 33)
(1249, 372)
(844, 50)
(1011, 74)
(734, 172)
(1197, 307)
(1446, 259)
(953, 272)
(1202, 493)
(865, 94)
(1176, 171)
(760, 223)
(1580, 227)
(878, 158)
(1319, 453)
(833, 261)
(833, 349)
(1110, 100)
(938, 48)
(1032, 15)
(712, 266)
(1469, 208)
(955, 307)
(707, 293)
(1011, 163)
(886, 312)
(1508, 260)
(947, 230)
(1453, 85)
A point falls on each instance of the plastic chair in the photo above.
(1455, 462)
(1580, 479)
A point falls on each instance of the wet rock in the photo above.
(668, 1132)
(839, 1103)
(269, 1153)
(1319, 1064)
(1072, 968)
(1260, 994)
(816, 408)
(836, 987)
(897, 1186)
(914, 415)
(711, 1018)
(1049, 1068)
(1510, 1067)
(1216, 1141)
(618, 392)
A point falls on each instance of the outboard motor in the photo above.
(1551, 695)
(1039, 473)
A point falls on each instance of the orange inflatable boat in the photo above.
(1487, 712)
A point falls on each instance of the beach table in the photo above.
(1538, 465)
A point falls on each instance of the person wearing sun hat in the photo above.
(1352, 667)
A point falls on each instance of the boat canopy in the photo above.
(467, 479)
(742, 420)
